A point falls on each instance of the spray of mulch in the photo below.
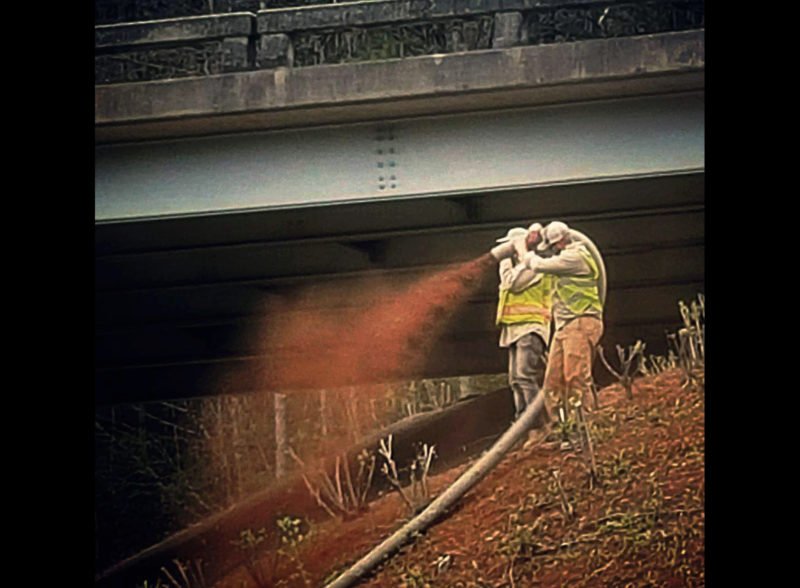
(355, 339)
(342, 340)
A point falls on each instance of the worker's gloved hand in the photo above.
(519, 247)
(531, 260)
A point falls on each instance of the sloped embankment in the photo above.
(641, 524)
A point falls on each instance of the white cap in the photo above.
(535, 227)
(514, 233)
(553, 233)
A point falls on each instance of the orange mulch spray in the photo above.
(376, 333)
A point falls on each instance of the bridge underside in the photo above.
(217, 193)
(176, 295)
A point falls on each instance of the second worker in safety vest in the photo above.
(577, 312)
(523, 314)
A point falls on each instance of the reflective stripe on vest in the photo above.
(532, 305)
(580, 294)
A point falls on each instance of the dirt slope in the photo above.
(641, 525)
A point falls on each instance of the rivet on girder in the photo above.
(386, 133)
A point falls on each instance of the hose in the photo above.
(503, 250)
(478, 470)
(445, 500)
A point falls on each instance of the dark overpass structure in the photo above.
(247, 154)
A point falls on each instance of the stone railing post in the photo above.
(274, 51)
(508, 30)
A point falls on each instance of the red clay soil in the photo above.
(641, 525)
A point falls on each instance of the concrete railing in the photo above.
(120, 11)
(372, 30)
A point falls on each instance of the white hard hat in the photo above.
(535, 227)
(553, 233)
(514, 233)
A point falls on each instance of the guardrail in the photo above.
(374, 30)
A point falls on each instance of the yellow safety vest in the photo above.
(532, 305)
(580, 294)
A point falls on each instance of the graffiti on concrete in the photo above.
(218, 51)
(197, 59)
(392, 42)
(573, 23)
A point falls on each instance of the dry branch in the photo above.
(626, 358)
(389, 470)
(565, 505)
(583, 426)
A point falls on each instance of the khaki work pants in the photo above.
(569, 367)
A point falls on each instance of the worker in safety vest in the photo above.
(523, 314)
(577, 313)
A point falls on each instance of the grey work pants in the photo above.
(526, 368)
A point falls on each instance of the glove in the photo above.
(531, 260)
(520, 247)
